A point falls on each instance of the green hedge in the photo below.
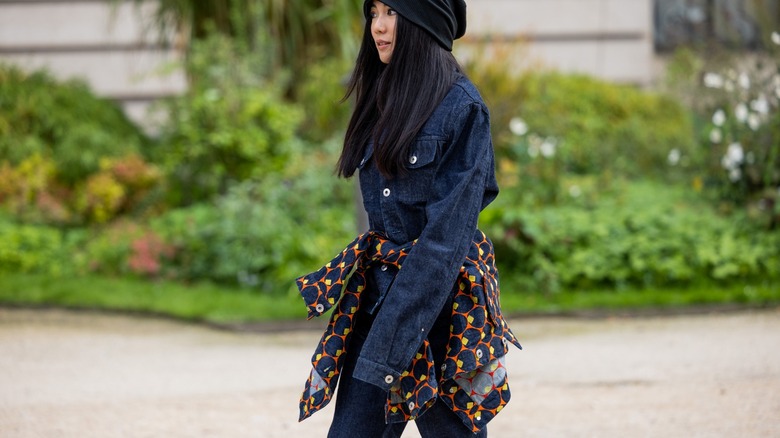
(643, 235)
(262, 206)
(737, 106)
(264, 232)
(63, 121)
(231, 124)
(33, 249)
(260, 235)
(597, 126)
(68, 157)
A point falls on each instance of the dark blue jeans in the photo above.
(360, 406)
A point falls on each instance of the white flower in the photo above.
(760, 105)
(741, 112)
(713, 80)
(548, 148)
(735, 153)
(518, 126)
(733, 158)
(674, 157)
(718, 118)
(753, 121)
(716, 136)
(744, 80)
(735, 175)
(776, 38)
(575, 191)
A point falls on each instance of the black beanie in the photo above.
(445, 20)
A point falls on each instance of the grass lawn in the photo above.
(199, 302)
(211, 303)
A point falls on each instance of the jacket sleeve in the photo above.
(463, 178)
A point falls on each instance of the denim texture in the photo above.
(450, 179)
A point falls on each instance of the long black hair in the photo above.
(394, 100)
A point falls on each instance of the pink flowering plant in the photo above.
(741, 109)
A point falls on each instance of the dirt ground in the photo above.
(66, 374)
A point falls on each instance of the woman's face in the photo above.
(383, 29)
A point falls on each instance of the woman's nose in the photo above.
(379, 24)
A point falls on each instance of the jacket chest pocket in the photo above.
(414, 186)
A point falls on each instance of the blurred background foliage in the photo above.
(294, 35)
(67, 157)
(604, 186)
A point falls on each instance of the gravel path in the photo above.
(65, 374)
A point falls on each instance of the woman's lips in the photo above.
(382, 45)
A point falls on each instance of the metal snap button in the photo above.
(388, 379)
(386, 192)
(479, 354)
(411, 406)
(320, 308)
(413, 159)
(383, 268)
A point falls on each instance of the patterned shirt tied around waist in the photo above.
(473, 380)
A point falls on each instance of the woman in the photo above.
(426, 342)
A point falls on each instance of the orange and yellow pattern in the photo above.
(473, 380)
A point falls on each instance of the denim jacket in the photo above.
(450, 179)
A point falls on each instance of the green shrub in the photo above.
(598, 127)
(646, 234)
(65, 122)
(108, 250)
(30, 191)
(33, 191)
(66, 156)
(320, 93)
(121, 186)
(34, 249)
(229, 126)
(737, 102)
(264, 232)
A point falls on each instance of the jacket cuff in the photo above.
(376, 374)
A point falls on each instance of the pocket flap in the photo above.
(422, 153)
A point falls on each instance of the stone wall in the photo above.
(109, 47)
(611, 39)
(105, 45)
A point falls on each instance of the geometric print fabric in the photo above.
(474, 381)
